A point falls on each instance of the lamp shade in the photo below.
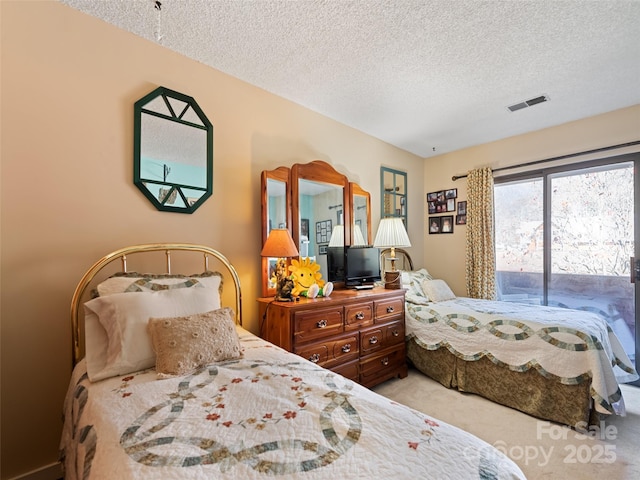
(279, 244)
(358, 238)
(391, 233)
(337, 236)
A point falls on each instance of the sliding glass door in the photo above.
(566, 237)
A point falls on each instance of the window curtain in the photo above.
(480, 248)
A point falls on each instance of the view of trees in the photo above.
(591, 223)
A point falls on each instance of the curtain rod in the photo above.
(561, 157)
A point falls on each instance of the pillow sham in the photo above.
(412, 281)
(183, 344)
(437, 290)
(119, 321)
(149, 282)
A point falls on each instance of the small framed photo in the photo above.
(446, 225)
(432, 197)
(462, 208)
(461, 219)
(432, 207)
(452, 193)
(451, 205)
(434, 225)
(323, 231)
(322, 249)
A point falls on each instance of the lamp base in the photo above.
(392, 280)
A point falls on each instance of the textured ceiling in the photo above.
(429, 76)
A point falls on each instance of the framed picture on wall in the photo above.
(446, 225)
(304, 227)
(462, 208)
(323, 231)
(461, 219)
(434, 225)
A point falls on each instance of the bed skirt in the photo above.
(528, 391)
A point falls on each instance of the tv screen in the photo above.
(335, 264)
(362, 265)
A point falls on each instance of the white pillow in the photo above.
(412, 282)
(144, 282)
(123, 319)
(437, 290)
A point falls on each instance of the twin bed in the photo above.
(553, 363)
(167, 384)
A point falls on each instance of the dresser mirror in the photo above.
(319, 218)
(361, 209)
(275, 214)
(173, 151)
(320, 208)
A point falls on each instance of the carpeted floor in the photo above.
(541, 449)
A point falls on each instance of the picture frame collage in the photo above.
(444, 201)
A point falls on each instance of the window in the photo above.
(565, 236)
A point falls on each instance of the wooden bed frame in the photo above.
(97, 271)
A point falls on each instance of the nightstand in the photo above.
(358, 334)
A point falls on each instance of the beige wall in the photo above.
(444, 255)
(69, 82)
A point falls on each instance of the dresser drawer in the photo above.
(393, 333)
(349, 370)
(371, 340)
(331, 352)
(385, 309)
(358, 315)
(315, 324)
(316, 353)
(383, 365)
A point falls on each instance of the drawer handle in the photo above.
(373, 340)
(390, 309)
(321, 324)
(396, 333)
(346, 348)
(359, 315)
(385, 361)
(315, 358)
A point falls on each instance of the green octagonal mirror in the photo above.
(173, 151)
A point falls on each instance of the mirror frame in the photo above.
(174, 116)
(317, 171)
(280, 174)
(355, 189)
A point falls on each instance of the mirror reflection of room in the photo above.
(321, 213)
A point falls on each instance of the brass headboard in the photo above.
(121, 254)
(403, 260)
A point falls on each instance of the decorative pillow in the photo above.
(437, 290)
(182, 344)
(412, 281)
(120, 322)
(148, 282)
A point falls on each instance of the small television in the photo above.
(335, 264)
(362, 265)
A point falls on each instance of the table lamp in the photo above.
(337, 236)
(391, 234)
(280, 245)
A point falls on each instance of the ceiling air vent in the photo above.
(528, 103)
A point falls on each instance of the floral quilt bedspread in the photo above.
(560, 343)
(268, 414)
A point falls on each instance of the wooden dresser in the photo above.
(357, 333)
